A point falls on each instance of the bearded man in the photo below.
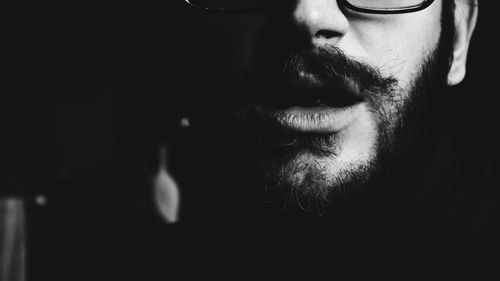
(340, 109)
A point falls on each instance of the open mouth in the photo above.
(319, 110)
(306, 92)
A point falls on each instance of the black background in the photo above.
(88, 87)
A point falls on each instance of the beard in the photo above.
(288, 163)
(293, 181)
(282, 168)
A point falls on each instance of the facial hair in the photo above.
(277, 153)
(405, 134)
(402, 133)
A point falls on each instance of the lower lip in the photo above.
(320, 120)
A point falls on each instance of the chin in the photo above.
(316, 183)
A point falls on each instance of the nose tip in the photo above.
(322, 19)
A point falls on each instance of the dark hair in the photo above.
(448, 33)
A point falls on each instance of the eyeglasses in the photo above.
(363, 6)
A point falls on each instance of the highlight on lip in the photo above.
(311, 120)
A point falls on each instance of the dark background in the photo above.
(91, 77)
(88, 88)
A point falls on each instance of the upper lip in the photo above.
(304, 91)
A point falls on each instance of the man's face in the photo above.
(326, 93)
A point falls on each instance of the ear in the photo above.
(465, 21)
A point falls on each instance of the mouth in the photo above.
(314, 109)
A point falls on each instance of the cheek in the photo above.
(399, 45)
(408, 54)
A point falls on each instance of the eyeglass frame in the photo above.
(345, 3)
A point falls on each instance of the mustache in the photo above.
(322, 76)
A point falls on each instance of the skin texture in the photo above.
(398, 47)
(407, 40)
